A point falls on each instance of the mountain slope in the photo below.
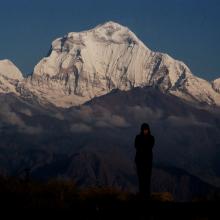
(84, 65)
(216, 85)
(91, 169)
(104, 129)
(10, 76)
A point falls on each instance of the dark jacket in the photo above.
(144, 145)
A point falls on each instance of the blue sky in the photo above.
(188, 30)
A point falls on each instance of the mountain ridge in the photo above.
(216, 85)
(87, 64)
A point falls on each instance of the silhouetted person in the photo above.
(144, 143)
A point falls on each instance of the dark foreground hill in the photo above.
(98, 202)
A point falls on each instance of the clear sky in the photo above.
(188, 30)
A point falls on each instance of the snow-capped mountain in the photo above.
(106, 66)
(216, 85)
(10, 75)
(88, 64)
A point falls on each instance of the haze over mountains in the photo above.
(77, 115)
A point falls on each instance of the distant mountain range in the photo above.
(77, 115)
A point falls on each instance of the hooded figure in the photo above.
(144, 143)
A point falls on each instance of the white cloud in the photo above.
(26, 112)
(140, 114)
(102, 124)
(10, 117)
(59, 116)
(118, 121)
(31, 129)
(80, 128)
(187, 120)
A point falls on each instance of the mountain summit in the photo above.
(216, 85)
(84, 65)
(10, 75)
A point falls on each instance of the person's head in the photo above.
(145, 129)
